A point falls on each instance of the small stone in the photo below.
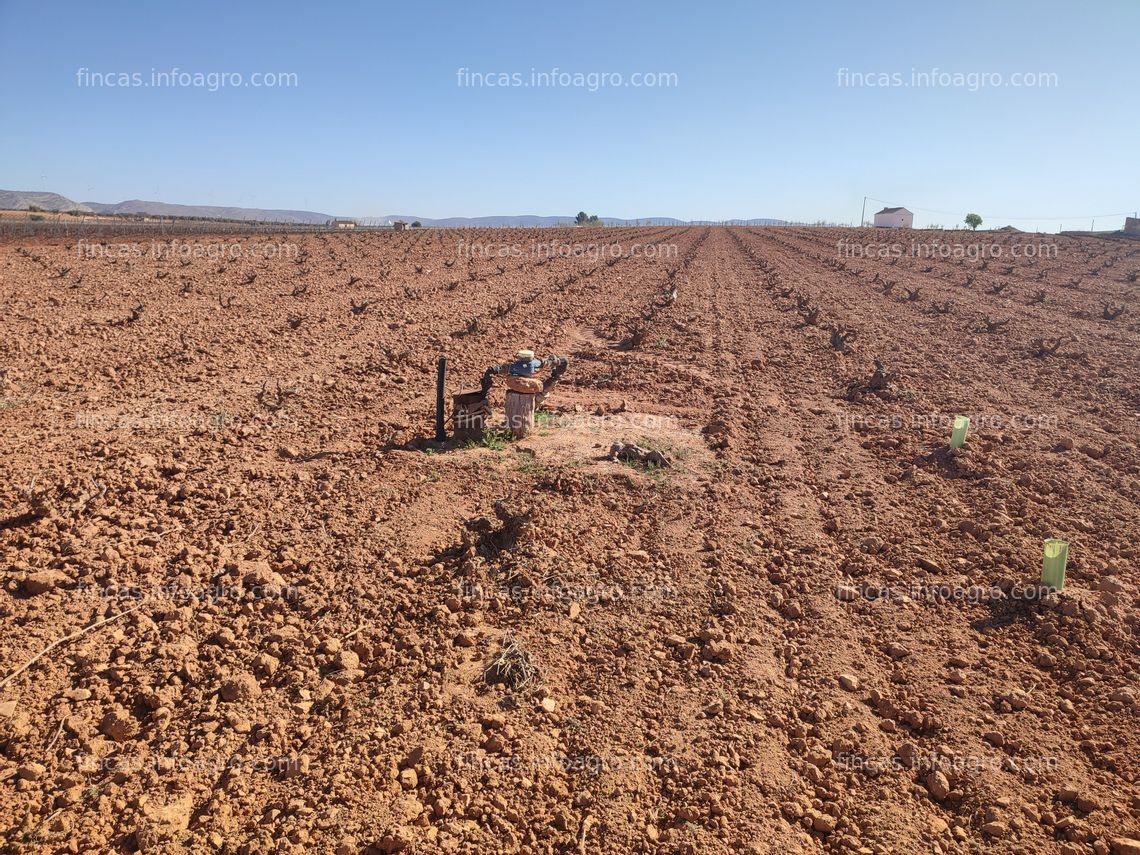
(295, 767)
(932, 566)
(409, 779)
(1124, 696)
(44, 581)
(1125, 846)
(1087, 803)
(688, 813)
(849, 682)
(30, 772)
(265, 664)
(592, 705)
(465, 639)
(996, 828)
(549, 705)
(161, 822)
(240, 687)
(897, 651)
(347, 660)
(118, 725)
(396, 841)
(823, 823)
(260, 580)
(908, 753)
(718, 651)
(490, 722)
(1068, 793)
(937, 785)
(240, 724)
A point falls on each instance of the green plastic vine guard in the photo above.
(1053, 564)
(958, 437)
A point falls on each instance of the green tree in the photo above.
(973, 221)
(582, 218)
(417, 224)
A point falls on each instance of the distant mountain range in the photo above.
(22, 200)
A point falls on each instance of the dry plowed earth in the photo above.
(247, 607)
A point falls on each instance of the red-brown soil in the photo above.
(815, 631)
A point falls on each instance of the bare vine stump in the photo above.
(520, 413)
(469, 412)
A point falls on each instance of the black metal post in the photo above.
(440, 381)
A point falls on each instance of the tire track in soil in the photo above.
(816, 638)
(751, 534)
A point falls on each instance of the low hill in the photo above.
(22, 200)
(167, 209)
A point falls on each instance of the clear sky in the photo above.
(754, 116)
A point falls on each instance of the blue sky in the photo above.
(756, 122)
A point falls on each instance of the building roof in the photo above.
(890, 211)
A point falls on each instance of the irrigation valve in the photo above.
(525, 392)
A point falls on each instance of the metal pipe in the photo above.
(440, 382)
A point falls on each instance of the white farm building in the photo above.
(894, 218)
